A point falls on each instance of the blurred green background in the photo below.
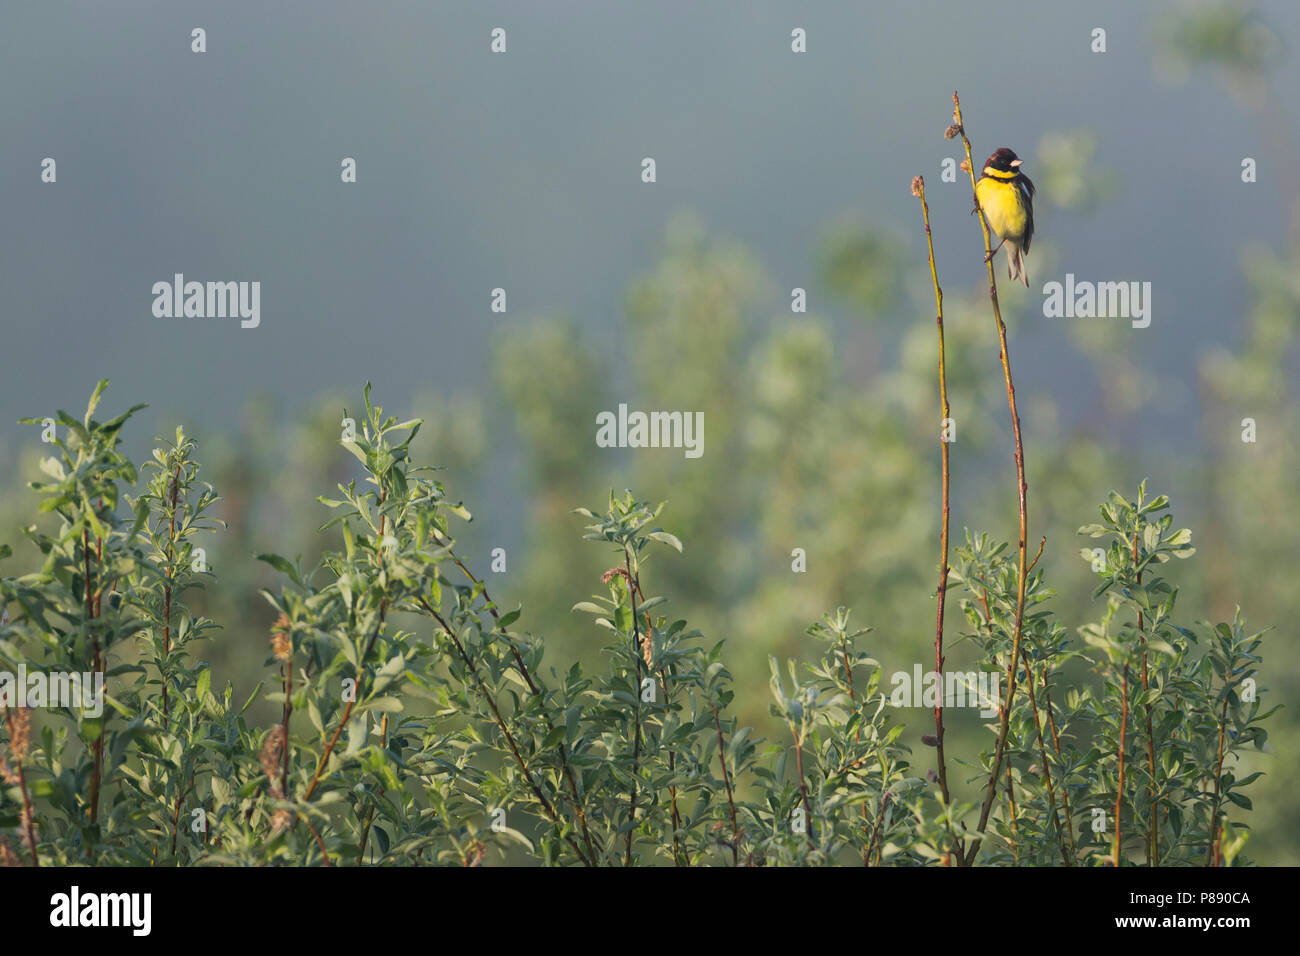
(776, 171)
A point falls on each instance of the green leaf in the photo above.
(663, 536)
(358, 732)
(313, 713)
(282, 565)
(1240, 799)
(95, 396)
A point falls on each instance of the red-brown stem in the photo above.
(29, 831)
(636, 712)
(99, 562)
(672, 770)
(329, 749)
(875, 835)
(284, 723)
(945, 413)
(1011, 808)
(1022, 488)
(319, 842)
(1215, 857)
(803, 790)
(500, 722)
(176, 814)
(167, 587)
(536, 692)
(1119, 789)
(726, 780)
(1056, 747)
(97, 748)
(347, 711)
(1042, 755)
(370, 813)
(857, 735)
(1153, 832)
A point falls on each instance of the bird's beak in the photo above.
(1016, 162)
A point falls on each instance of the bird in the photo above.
(1007, 197)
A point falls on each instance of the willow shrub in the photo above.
(420, 724)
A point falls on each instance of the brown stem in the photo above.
(167, 587)
(1042, 755)
(1066, 855)
(1011, 809)
(1056, 747)
(803, 790)
(97, 748)
(875, 835)
(501, 724)
(533, 687)
(636, 712)
(1042, 542)
(726, 780)
(1214, 857)
(29, 831)
(1119, 789)
(319, 842)
(945, 413)
(370, 811)
(857, 735)
(99, 563)
(176, 813)
(672, 770)
(1022, 495)
(1153, 832)
(347, 711)
(284, 723)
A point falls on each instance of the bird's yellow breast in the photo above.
(1004, 206)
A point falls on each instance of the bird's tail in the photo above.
(1016, 263)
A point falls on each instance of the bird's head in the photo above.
(1004, 161)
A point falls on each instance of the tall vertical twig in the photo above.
(1119, 786)
(990, 791)
(637, 651)
(945, 415)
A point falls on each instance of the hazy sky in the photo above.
(522, 170)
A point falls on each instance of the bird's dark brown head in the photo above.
(1004, 161)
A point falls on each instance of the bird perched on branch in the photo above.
(1007, 197)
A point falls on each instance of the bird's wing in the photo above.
(1027, 198)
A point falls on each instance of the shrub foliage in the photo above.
(420, 724)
